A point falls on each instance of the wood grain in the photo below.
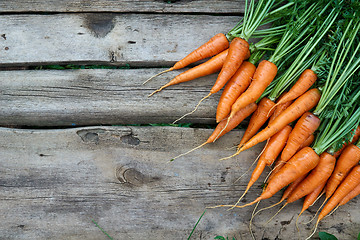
(102, 96)
(105, 38)
(54, 182)
(138, 6)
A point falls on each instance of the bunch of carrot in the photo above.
(306, 92)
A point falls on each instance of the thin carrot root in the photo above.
(271, 109)
(194, 110)
(257, 158)
(297, 222)
(251, 219)
(165, 71)
(156, 91)
(318, 198)
(227, 123)
(315, 228)
(265, 208)
(188, 152)
(276, 214)
(312, 219)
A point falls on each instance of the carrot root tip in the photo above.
(167, 70)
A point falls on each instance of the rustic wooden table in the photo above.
(69, 156)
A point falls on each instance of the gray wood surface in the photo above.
(54, 182)
(141, 6)
(105, 38)
(102, 96)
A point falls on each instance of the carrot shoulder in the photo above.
(301, 105)
(236, 85)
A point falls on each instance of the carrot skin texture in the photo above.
(348, 159)
(304, 127)
(346, 186)
(305, 81)
(307, 142)
(354, 139)
(258, 119)
(311, 197)
(291, 187)
(301, 105)
(300, 164)
(271, 152)
(263, 76)
(215, 45)
(236, 120)
(355, 192)
(236, 85)
(279, 108)
(238, 51)
(317, 176)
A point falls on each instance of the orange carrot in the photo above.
(257, 119)
(279, 109)
(305, 81)
(270, 153)
(348, 159)
(311, 197)
(304, 127)
(211, 66)
(291, 188)
(353, 140)
(301, 105)
(355, 192)
(346, 186)
(317, 176)
(220, 130)
(238, 51)
(236, 85)
(263, 76)
(215, 45)
(307, 142)
(299, 165)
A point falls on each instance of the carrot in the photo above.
(264, 74)
(257, 119)
(236, 85)
(238, 51)
(299, 165)
(350, 195)
(304, 127)
(215, 45)
(268, 156)
(347, 185)
(220, 130)
(348, 159)
(279, 109)
(311, 197)
(211, 66)
(291, 188)
(305, 81)
(308, 141)
(317, 176)
(301, 105)
(353, 140)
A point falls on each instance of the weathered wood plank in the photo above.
(140, 6)
(103, 96)
(94, 38)
(53, 182)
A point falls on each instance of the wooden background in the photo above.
(69, 154)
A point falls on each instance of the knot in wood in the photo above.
(129, 175)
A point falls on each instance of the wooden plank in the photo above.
(54, 182)
(140, 6)
(94, 38)
(102, 96)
